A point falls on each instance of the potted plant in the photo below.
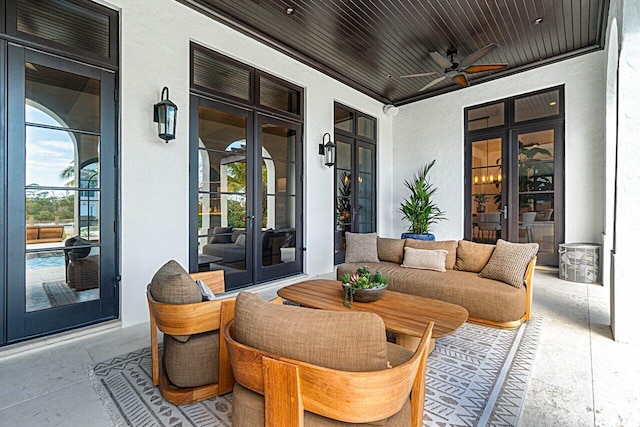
(419, 208)
(480, 200)
(363, 286)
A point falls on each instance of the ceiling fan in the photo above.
(454, 67)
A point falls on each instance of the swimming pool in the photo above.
(45, 261)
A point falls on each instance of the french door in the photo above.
(354, 192)
(354, 176)
(60, 234)
(246, 170)
(515, 187)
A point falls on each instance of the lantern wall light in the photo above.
(165, 113)
(328, 150)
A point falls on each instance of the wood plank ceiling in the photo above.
(368, 44)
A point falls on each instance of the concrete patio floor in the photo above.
(580, 377)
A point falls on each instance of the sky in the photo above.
(48, 152)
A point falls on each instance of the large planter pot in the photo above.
(367, 295)
(418, 236)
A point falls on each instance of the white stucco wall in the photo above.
(154, 175)
(434, 128)
(625, 292)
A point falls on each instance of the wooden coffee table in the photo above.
(406, 315)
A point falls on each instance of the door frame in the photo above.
(262, 273)
(20, 324)
(558, 185)
(233, 279)
(3, 181)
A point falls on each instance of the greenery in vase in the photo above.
(362, 279)
(419, 209)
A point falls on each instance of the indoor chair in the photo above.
(526, 224)
(297, 366)
(195, 365)
(491, 223)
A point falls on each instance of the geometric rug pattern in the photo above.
(59, 293)
(478, 375)
(475, 377)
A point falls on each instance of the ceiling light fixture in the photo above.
(289, 10)
(538, 20)
(552, 103)
(390, 110)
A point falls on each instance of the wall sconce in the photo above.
(328, 150)
(165, 114)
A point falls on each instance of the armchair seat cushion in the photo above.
(192, 363)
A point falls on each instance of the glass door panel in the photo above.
(343, 198)
(224, 238)
(62, 270)
(537, 192)
(486, 190)
(279, 244)
(365, 213)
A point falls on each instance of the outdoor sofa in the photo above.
(488, 301)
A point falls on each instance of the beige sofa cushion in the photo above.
(509, 261)
(320, 337)
(425, 259)
(361, 247)
(471, 256)
(391, 250)
(447, 245)
(483, 298)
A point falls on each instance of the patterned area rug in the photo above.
(475, 377)
(59, 293)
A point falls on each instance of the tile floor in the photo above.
(580, 378)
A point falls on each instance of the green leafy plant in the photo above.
(419, 209)
(362, 279)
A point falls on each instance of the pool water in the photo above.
(38, 262)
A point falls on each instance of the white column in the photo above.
(625, 273)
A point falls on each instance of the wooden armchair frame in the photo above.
(187, 319)
(291, 387)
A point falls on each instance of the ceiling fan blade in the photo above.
(461, 80)
(488, 67)
(475, 56)
(432, 83)
(418, 75)
(440, 60)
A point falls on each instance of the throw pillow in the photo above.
(79, 248)
(241, 240)
(425, 259)
(225, 236)
(361, 247)
(447, 245)
(313, 336)
(172, 285)
(509, 261)
(472, 256)
(391, 250)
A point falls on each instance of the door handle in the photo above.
(504, 211)
(249, 218)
